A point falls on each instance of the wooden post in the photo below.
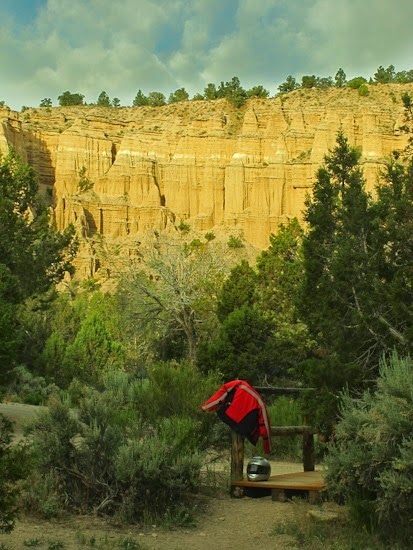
(308, 452)
(237, 457)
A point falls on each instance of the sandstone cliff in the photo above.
(218, 168)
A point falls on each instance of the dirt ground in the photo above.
(224, 523)
(228, 524)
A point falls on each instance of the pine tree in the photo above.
(337, 253)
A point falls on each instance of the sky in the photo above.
(48, 47)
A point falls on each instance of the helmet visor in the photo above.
(257, 469)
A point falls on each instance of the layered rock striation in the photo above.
(118, 173)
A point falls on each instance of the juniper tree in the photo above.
(33, 255)
(337, 254)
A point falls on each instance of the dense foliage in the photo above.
(370, 464)
(8, 492)
(131, 450)
(14, 465)
(356, 297)
(68, 99)
(261, 335)
(168, 304)
(33, 255)
(83, 340)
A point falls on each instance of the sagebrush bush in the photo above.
(125, 451)
(13, 467)
(28, 388)
(370, 463)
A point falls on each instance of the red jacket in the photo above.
(240, 406)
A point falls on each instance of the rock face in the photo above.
(117, 173)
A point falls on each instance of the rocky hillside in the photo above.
(119, 173)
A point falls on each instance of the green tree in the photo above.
(265, 296)
(116, 102)
(407, 100)
(279, 274)
(337, 254)
(156, 99)
(233, 91)
(384, 76)
(84, 183)
(391, 312)
(238, 290)
(103, 100)
(179, 95)
(33, 255)
(84, 339)
(140, 99)
(210, 92)
(30, 249)
(356, 82)
(357, 291)
(258, 91)
(46, 102)
(324, 82)
(169, 305)
(243, 347)
(336, 294)
(67, 99)
(289, 85)
(92, 352)
(308, 81)
(13, 463)
(404, 76)
(340, 78)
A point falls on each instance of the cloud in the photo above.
(87, 46)
(361, 36)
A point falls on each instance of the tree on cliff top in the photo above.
(156, 99)
(233, 91)
(103, 99)
(67, 99)
(178, 95)
(289, 85)
(140, 99)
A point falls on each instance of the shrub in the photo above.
(356, 82)
(184, 227)
(235, 242)
(209, 236)
(28, 388)
(364, 90)
(13, 466)
(131, 450)
(370, 465)
(176, 390)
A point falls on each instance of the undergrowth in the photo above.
(338, 532)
